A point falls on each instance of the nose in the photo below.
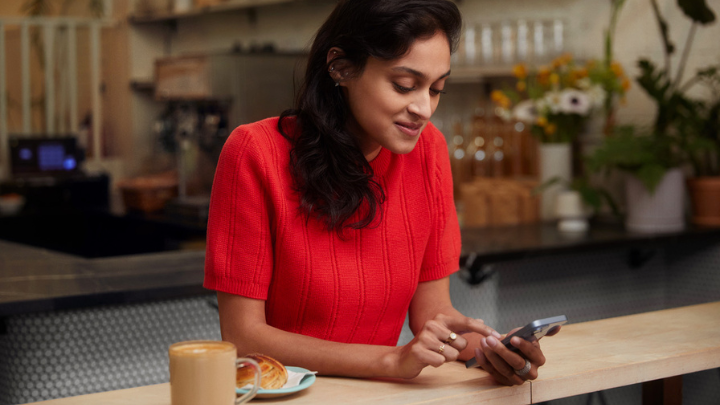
(422, 106)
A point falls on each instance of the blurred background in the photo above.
(583, 137)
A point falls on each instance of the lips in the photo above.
(409, 128)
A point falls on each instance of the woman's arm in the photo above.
(242, 322)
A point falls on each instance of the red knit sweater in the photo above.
(354, 290)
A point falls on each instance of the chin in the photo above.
(403, 148)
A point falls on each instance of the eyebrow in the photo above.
(417, 72)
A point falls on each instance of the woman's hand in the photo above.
(439, 341)
(493, 357)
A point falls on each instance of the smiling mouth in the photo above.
(409, 128)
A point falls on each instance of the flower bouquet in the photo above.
(556, 100)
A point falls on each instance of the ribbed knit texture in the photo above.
(353, 290)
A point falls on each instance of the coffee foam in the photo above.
(201, 348)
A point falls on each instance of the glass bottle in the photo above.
(457, 155)
(475, 153)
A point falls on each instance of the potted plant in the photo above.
(702, 143)
(653, 157)
(555, 102)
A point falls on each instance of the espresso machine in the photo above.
(206, 97)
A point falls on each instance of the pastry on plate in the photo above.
(274, 374)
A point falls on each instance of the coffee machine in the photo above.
(206, 96)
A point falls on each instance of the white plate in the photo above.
(307, 381)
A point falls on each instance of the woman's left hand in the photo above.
(504, 365)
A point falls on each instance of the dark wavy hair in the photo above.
(329, 170)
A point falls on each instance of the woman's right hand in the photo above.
(434, 345)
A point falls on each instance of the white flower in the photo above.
(553, 102)
(584, 84)
(503, 113)
(597, 96)
(574, 102)
(526, 111)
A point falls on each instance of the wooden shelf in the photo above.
(143, 85)
(219, 8)
(478, 74)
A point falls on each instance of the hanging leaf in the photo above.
(697, 10)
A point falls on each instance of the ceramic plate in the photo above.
(307, 381)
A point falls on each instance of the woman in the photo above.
(331, 223)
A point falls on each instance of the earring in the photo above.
(337, 84)
(332, 68)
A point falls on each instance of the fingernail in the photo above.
(477, 352)
(515, 341)
(480, 320)
(496, 334)
(492, 341)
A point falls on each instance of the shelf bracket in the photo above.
(474, 271)
(638, 256)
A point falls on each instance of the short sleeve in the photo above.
(239, 242)
(442, 255)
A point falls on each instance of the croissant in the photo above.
(274, 374)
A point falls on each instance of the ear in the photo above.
(338, 67)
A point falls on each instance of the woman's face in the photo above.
(391, 101)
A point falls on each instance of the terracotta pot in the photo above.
(705, 199)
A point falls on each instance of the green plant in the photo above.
(701, 127)
(645, 155)
(683, 129)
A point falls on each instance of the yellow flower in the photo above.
(550, 129)
(554, 78)
(541, 121)
(562, 60)
(499, 98)
(520, 71)
(521, 85)
(625, 84)
(617, 69)
(543, 76)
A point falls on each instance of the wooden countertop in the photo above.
(451, 383)
(582, 358)
(609, 353)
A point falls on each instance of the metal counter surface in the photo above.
(34, 279)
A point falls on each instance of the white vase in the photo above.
(661, 211)
(555, 162)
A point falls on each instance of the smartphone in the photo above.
(537, 329)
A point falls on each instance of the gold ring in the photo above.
(441, 349)
(451, 338)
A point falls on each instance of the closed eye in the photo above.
(403, 89)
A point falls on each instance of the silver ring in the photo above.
(523, 371)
